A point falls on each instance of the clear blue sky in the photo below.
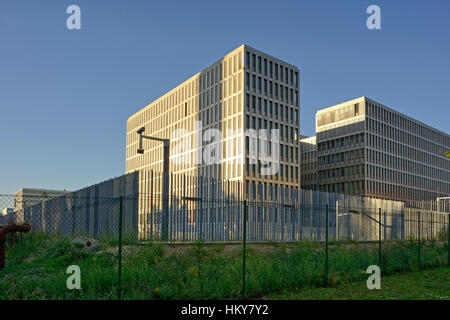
(65, 95)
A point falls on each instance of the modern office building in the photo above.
(308, 163)
(246, 89)
(366, 148)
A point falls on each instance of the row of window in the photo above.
(353, 155)
(253, 148)
(400, 163)
(348, 141)
(405, 137)
(215, 94)
(271, 69)
(287, 133)
(340, 114)
(308, 155)
(285, 172)
(350, 187)
(221, 171)
(404, 178)
(404, 151)
(272, 109)
(308, 178)
(406, 124)
(309, 186)
(270, 191)
(213, 75)
(307, 166)
(271, 89)
(347, 172)
(392, 191)
(215, 115)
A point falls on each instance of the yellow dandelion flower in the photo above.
(194, 271)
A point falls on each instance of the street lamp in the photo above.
(165, 187)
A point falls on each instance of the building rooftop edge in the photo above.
(43, 190)
(365, 98)
(242, 46)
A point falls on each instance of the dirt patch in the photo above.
(126, 250)
(232, 249)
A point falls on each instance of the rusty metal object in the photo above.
(11, 228)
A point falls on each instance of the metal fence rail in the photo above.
(192, 219)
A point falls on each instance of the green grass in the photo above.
(36, 268)
(432, 284)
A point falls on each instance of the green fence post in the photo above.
(326, 244)
(244, 240)
(448, 239)
(379, 237)
(418, 238)
(119, 280)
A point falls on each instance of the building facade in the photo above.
(365, 148)
(218, 107)
(308, 163)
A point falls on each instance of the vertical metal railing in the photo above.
(119, 280)
(326, 243)
(244, 243)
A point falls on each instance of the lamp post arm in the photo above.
(156, 139)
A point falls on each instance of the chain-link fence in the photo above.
(134, 247)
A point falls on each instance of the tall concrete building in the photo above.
(246, 89)
(366, 148)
